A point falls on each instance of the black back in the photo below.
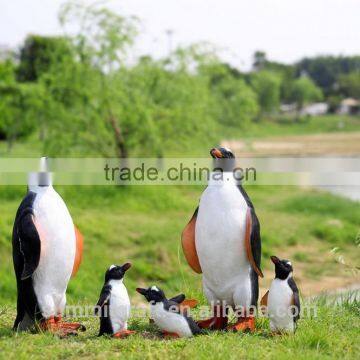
(173, 306)
(295, 291)
(155, 295)
(103, 305)
(255, 240)
(178, 298)
(26, 255)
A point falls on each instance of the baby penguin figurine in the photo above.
(114, 303)
(168, 314)
(282, 299)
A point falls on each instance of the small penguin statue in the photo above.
(114, 303)
(282, 299)
(168, 314)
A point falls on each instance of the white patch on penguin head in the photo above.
(154, 288)
(289, 263)
(112, 266)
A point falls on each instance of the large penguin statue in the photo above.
(222, 241)
(47, 251)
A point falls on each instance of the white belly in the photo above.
(170, 322)
(279, 301)
(220, 245)
(58, 246)
(119, 306)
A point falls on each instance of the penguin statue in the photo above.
(168, 315)
(47, 251)
(114, 303)
(282, 300)
(222, 241)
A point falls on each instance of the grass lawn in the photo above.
(284, 125)
(333, 333)
(143, 225)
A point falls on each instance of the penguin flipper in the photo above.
(253, 240)
(194, 327)
(188, 244)
(104, 298)
(178, 298)
(264, 301)
(27, 236)
(79, 250)
(295, 301)
(184, 304)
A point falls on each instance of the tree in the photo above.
(259, 60)
(93, 91)
(234, 103)
(326, 70)
(305, 91)
(111, 108)
(267, 86)
(20, 105)
(177, 98)
(349, 85)
(39, 53)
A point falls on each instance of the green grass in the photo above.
(143, 225)
(283, 126)
(333, 332)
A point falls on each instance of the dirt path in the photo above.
(302, 145)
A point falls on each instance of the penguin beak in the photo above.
(126, 266)
(275, 259)
(216, 153)
(141, 291)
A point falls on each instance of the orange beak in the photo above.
(216, 153)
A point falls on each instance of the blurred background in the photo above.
(166, 78)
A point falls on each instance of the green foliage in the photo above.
(102, 37)
(259, 60)
(349, 84)
(305, 91)
(267, 86)
(234, 102)
(113, 109)
(7, 71)
(79, 94)
(326, 70)
(21, 105)
(39, 53)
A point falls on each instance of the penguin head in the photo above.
(116, 272)
(222, 153)
(283, 268)
(153, 294)
(42, 178)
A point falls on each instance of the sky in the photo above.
(286, 30)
